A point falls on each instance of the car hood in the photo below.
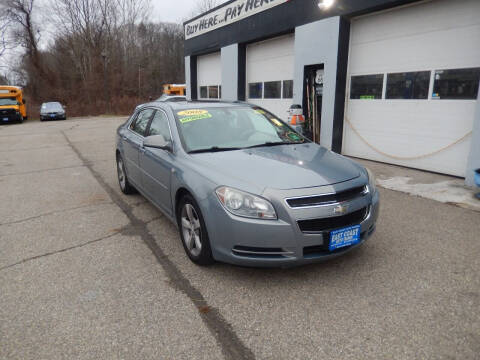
(279, 167)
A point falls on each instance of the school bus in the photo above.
(174, 89)
(12, 104)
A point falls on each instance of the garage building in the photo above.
(390, 81)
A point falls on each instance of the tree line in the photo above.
(103, 56)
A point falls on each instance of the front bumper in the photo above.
(53, 116)
(4, 118)
(280, 243)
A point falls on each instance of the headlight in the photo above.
(244, 204)
(371, 181)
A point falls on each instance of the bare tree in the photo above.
(20, 16)
(203, 6)
(5, 36)
(24, 33)
(98, 52)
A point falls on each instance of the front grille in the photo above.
(327, 199)
(260, 252)
(8, 112)
(330, 223)
(321, 250)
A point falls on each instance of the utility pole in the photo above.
(139, 82)
(106, 89)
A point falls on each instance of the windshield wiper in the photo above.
(213, 149)
(270, 143)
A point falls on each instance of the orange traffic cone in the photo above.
(297, 120)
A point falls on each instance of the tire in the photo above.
(20, 120)
(193, 232)
(125, 185)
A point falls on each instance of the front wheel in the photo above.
(194, 232)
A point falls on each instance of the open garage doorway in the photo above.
(312, 100)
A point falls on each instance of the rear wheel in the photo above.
(125, 185)
(194, 232)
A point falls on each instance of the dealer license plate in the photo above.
(52, 115)
(344, 237)
(5, 119)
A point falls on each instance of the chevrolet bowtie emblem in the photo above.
(340, 209)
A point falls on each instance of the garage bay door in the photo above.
(209, 76)
(413, 84)
(270, 74)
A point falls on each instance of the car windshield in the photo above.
(53, 106)
(8, 101)
(231, 128)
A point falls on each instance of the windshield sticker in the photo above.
(192, 112)
(195, 117)
(293, 136)
(276, 122)
(260, 111)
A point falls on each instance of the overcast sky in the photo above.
(171, 10)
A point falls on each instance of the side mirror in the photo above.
(23, 101)
(157, 142)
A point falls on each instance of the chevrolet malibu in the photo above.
(242, 186)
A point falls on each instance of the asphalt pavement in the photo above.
(89, 273)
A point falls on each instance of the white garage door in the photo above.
(270, 74)
(209, 76)
(413, 83)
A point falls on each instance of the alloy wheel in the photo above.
(191, 229)
(121, 173)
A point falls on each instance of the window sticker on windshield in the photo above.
(260, 111)
(276, 122)
(292, 136)
(193, 114)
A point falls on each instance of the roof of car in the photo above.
(181, 105)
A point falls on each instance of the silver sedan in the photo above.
(242, 186)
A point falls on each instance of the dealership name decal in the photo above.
(234, 11)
